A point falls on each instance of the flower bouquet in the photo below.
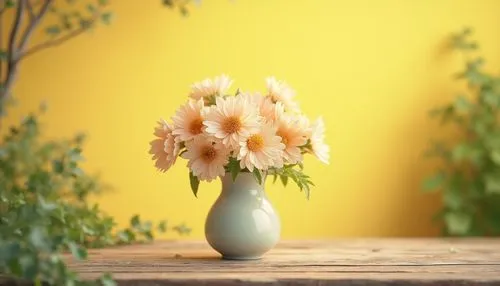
(241, 138)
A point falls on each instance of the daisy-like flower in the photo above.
(188, 120)
(165, 148)
(279, 91)
(261, 150)
(208, 87)
(207, 158)
(294, 131)
(318, 146)
(267, 109)
(232, 120)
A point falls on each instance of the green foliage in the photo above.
(296, 173)
(469, 180)
(44, 209)
(194, 182)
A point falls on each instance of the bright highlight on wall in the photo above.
(371, 68)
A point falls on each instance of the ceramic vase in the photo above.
(242, 223)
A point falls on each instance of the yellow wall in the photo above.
(371, 68)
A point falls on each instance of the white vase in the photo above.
(242, 224)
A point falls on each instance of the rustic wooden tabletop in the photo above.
(333, 262)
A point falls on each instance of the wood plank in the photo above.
(345, 262)
(315, 262)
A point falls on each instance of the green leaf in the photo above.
(452, 198)
(182, 229)
(86, 23)
(9, 250)
(162, 226)
(28, 264)
(3, 55)
(10, 3)
(79, 252)
(107, 280)
(195, 183)
(135, 221)
(234, 168)
(53, 30)
(106, 18)
(434, 182)
(257, 175)
(91, 8)
(284, 180)
(462, 104)
(38, 237)
(492, 183)
(495, 156)
(103, 2)
(460, 152)
(458, 223)
(58, 166)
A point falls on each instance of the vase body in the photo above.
(242, 224)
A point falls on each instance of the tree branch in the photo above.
(59, 41)
(2, 8)
(33, 24)
(30, 10)
(12, 50)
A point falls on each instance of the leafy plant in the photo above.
(469, 179)
(44, 208)
(44, 194)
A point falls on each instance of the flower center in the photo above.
(208, 154)
(231, 124)
(255, 143)
(284, 138)
(195, 127)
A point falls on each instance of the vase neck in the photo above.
(244, 181)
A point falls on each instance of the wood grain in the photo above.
(333, 262)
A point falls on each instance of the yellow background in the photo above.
(372, 69)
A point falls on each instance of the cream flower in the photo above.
(188, 120)
(208, 87)
(207, 158)
(267, 109)
(279, 91)
(165, 148)
(262, 150)
(232, 120)
(294, 131)
(319, 148)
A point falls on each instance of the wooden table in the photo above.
(334, 262)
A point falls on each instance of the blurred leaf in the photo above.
(162, 226)
(91, 8)
(78, 252)
(3, 55)
(462, 104)
(492, 183)
(53, 30)
(103, 2)
(135, 221)
(495, 156)
(58, 166)
(460, 152)
(458, 223)
(107, 280)
(10, 4)
(107, 17)
(452, 198)
(434, 182)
